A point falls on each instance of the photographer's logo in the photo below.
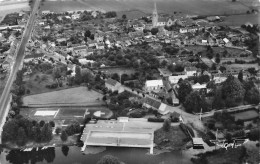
(224, 144)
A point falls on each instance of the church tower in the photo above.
(155, 16)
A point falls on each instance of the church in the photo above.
(160, 21)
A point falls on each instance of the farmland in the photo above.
(79, 96)
(6, 8)
(164, 6)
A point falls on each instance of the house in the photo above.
(75, 16)
(190, 71)
(183, 30)
(84, 61)
(100, 46)
(156, 105)
(72, 68)
(29, 58)
(197, 143)
(6, 65)
(219, 78)
(112, 85)
(153, 85)
(199, 87)
(170, 22)
(45, 12)
(175, 79)
(92, 43)
(80, 49)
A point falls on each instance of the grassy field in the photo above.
(175, 137)
(164, 6)
(247, 115)
(79, 96)
(65, 115)
(10, 8)
(242, 66)
(119, 71)
(37, 82)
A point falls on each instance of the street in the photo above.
(4, 100)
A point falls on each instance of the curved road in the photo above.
(4, 100)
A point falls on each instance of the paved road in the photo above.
(4, 100)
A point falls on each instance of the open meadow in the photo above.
(79, 96)
(204, 7)
(7, 8)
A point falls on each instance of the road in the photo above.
(4, 100)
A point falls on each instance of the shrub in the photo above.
(52, 123)
(166, 125)
(154, 119)
(58, 130)
(137, 114)
(64, 135)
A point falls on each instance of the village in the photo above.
(178, 70)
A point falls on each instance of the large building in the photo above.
(155, 16)
(160, 21)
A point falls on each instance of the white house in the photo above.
(190, 71)
(112, 85)
(153, 85)
(175, 79)
(198, 86)
(29, 58)
(45, 12)
(75, 16)
(219, 78)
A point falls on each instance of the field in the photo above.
(64, 115)
(247, 115)
(175, 137)
(7, 8)
(119, 71)
(242, 66)
(79, 96)
(163, 6)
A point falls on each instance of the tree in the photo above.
(124, 16)
(166, 125)
(254, 134)
(240, 76)
(56, 72)
(194, 103)
(46, 133)
(252, 96)
(87, 34)
(78, 77)
(232, 91)
(65, 150)
(42, 123)
(108, 159)
(184, 89)
(73, 128)
(163, 63)
(86, 76)
(222, 69)
(64, 135)
(154, 31)
(217, 58)
(10, 130)
(218, 102)
(92, 37)
(58, 130)
(52, 124)
(21, 137)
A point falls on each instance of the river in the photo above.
(73, 155)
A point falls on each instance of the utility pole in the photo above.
(216, 139)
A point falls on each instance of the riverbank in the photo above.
(55, 142)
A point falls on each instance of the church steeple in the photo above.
(155, 15)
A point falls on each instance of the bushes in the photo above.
(187, 130)
(52, 86)
(155, 119)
